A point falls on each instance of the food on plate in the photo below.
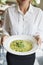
(21, 45)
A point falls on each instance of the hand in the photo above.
(4, 38)
(38, 39)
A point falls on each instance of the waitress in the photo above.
(23, 19)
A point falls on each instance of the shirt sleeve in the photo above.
(6, 26)
(40, 25)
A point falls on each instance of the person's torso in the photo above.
(24, 24)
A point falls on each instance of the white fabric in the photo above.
(36, 62)
(29, 24)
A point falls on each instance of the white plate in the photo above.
(6, 44)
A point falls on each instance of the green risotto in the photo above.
(21, 45)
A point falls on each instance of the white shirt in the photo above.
(19, 24)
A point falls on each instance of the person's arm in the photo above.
(39, 34)
(6, 26)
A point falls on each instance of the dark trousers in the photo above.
(20, 60)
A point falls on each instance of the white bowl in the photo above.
(7, 42)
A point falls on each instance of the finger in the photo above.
(39, 42)
(2, 40)
(37, 37)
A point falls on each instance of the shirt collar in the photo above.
(29, 10)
